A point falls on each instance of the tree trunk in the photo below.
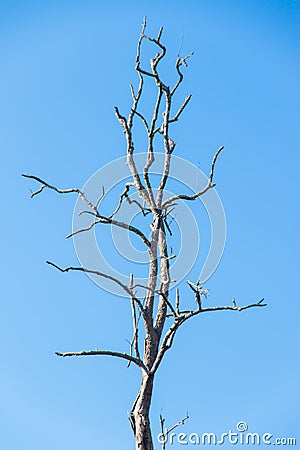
(141, 408)
(140, 415)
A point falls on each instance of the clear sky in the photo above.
(64, 65)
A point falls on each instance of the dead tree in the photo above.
(158, 304)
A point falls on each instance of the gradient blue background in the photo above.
(64, 65)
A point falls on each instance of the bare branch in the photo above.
(177, 302)
(150, 156)
(82, 230)
(143, 119)
(190, 313)
(184, 316)
(87, 212)
(166, 343)
(137, 62)
(234, 308)
(123, 195)
(132, 359)
(199, 291)
(117, 223)
(95, 212)
(209, 185)
(169, 229)
(211, 176)
(60, 191)
(130, 160)
(156, 109)
(159, 34)
(179, 62)
(134, 321)
(95, 272)
(158, 292)
(154, 62)
(130, 228)
(100, 198)
(176, 117)
(169, 146)
(136, 97)
(103, 275)
(166, 432)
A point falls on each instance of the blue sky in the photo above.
(64, 65)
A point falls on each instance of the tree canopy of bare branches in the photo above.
(159, 301)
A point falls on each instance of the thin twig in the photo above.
(82, 230)
(177, 302)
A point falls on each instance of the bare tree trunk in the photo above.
(140, 415)
(141, 407)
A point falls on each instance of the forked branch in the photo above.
(208, 186)
(187, 314)
(164, 433)
(179, 62)
(99, 217)
(45, 185)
